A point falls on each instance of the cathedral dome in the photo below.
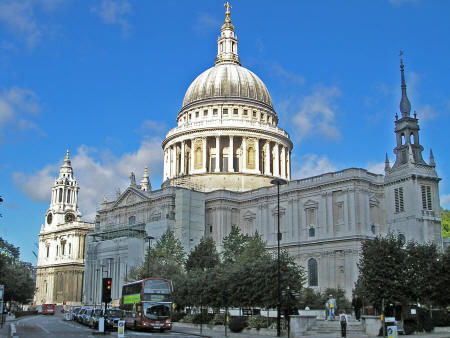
(225, 81)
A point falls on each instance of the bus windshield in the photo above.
(156, 312)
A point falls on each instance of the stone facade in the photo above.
(218, 166)
(60, 267)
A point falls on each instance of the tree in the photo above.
(233, 245)
(164, 260)
(445, 217)
(381, 270)
(441, 296)
(14, 274)
(204, 256)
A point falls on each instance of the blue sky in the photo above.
(106, 79)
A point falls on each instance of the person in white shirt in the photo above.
(343, 319)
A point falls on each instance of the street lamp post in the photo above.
(149, 239)
(278, 182)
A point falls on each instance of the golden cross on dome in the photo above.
(227, 13)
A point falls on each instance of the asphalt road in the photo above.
(56, 326)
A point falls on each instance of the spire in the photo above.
(387, 165)
(432, 163)
(66, 169)
(145, 182)
(405, 105)
(227, 42)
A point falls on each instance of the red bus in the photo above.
(148, 304)
(48, 309)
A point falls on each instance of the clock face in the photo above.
(69, 217)
(49, 218)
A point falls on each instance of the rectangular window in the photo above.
(214, 111)
(48, 251)
(210, 229)
(197, 114)
(398, 195)
(63, 249)
(70, 248)
(205, 113)
(245, 112)
(311, 216)
(254, 113)
(235, 111)
(225, 111)
(57, 250)
(426, 197)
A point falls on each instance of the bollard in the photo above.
(121, 329)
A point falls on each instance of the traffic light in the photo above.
(106, 290)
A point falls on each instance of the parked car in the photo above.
(80, 314)
(73, 312)
(95, 316)
(112, 318)
(86, 317)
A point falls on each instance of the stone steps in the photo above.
(332, 328)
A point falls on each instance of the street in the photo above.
(56, 326)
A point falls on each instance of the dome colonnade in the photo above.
(227, 135)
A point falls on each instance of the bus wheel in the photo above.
(161, 330)
(135, 326)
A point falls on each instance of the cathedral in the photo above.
(220, 161)
(60, 266)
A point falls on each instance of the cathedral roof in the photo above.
(227, 80)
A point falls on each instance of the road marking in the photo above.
(42, 328)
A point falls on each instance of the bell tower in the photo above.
(411, 185)
(64, 201)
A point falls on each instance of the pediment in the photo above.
(248, 215)
(275, 209)
(129, 197)
(310, 204)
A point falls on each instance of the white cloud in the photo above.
(285, 75)
(153, 126)
(317, 114)
(114, 12)
(206, 22)
(311, 165)
(16, 105)
(96, 177)
(18, 16)
(376, 168)
(445, 201)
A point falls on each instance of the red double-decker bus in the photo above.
(148, 304)
(48, 309)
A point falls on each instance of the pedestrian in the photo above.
(343, 319)
(330, 305)
(357, 305)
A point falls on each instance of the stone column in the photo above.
(257, 156)
(183, 170)
(205, 139)
(283, 162)
(192, 156)
(217, 169)
(276, 160)
(267, 161)
(230, 155)
(174, 159)
(288, 165)
(244, 154)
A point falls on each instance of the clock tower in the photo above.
(60, 266)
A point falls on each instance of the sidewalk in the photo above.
(4, 331)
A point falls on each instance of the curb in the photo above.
(191, 333)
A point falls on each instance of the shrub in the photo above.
(424, 322)
(237, 324)
(257, 322)
(177, 316)
(187, 319)
(218, 319)
(441, 318)
(20, 313)
(202, 319)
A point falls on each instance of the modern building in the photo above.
(218, 164)
(60, 267)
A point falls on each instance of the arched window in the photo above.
(402, 239)
(131, 220)
(251, 158)
(312, 232)
(198, 157)
(312, 273)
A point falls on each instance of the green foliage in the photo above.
(445, 217)
(237, 324)
(342, 302)
(164, 260)
(257, 322)
(15, 274)
(233, 245)
(202, 318)
(204, 256)
(177, 316)
(381, 272)
(442, 280)
(310, 298)
(441, 317)
(187, 319)
(424, 322)
(218, 319)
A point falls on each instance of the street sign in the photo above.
(121, 329)
(392, 331)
